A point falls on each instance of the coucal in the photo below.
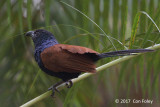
(68, 61)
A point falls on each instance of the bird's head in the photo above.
(42, 37)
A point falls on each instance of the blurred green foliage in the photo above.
(22, 80)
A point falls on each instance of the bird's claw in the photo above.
(53, 88)
(69, 84)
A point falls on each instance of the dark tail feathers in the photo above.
(124, 52)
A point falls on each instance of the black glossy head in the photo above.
(42, 37)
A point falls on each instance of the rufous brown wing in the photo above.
(69, 58)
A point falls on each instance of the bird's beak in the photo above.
(30, 34)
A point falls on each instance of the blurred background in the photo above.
(119, 20)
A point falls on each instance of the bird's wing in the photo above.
(76, 49)
(68, 58)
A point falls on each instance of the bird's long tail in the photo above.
(124, 52)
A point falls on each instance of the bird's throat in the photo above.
(42, 45)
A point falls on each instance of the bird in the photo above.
(68, 61)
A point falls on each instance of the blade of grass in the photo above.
(134, 29)
(115, 17)
(90, 20)
(70, 95)
(124, 14)
(150, 27)
(47, 12)
(134, 9)
(20, 4)
(106, 16)
(88, 34)
(32, 85)
(143, 22)
(9, 20)
(29, 3)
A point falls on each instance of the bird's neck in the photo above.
(46, 44)
(40, 47)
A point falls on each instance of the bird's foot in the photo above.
(69, 84)
(54, 88)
